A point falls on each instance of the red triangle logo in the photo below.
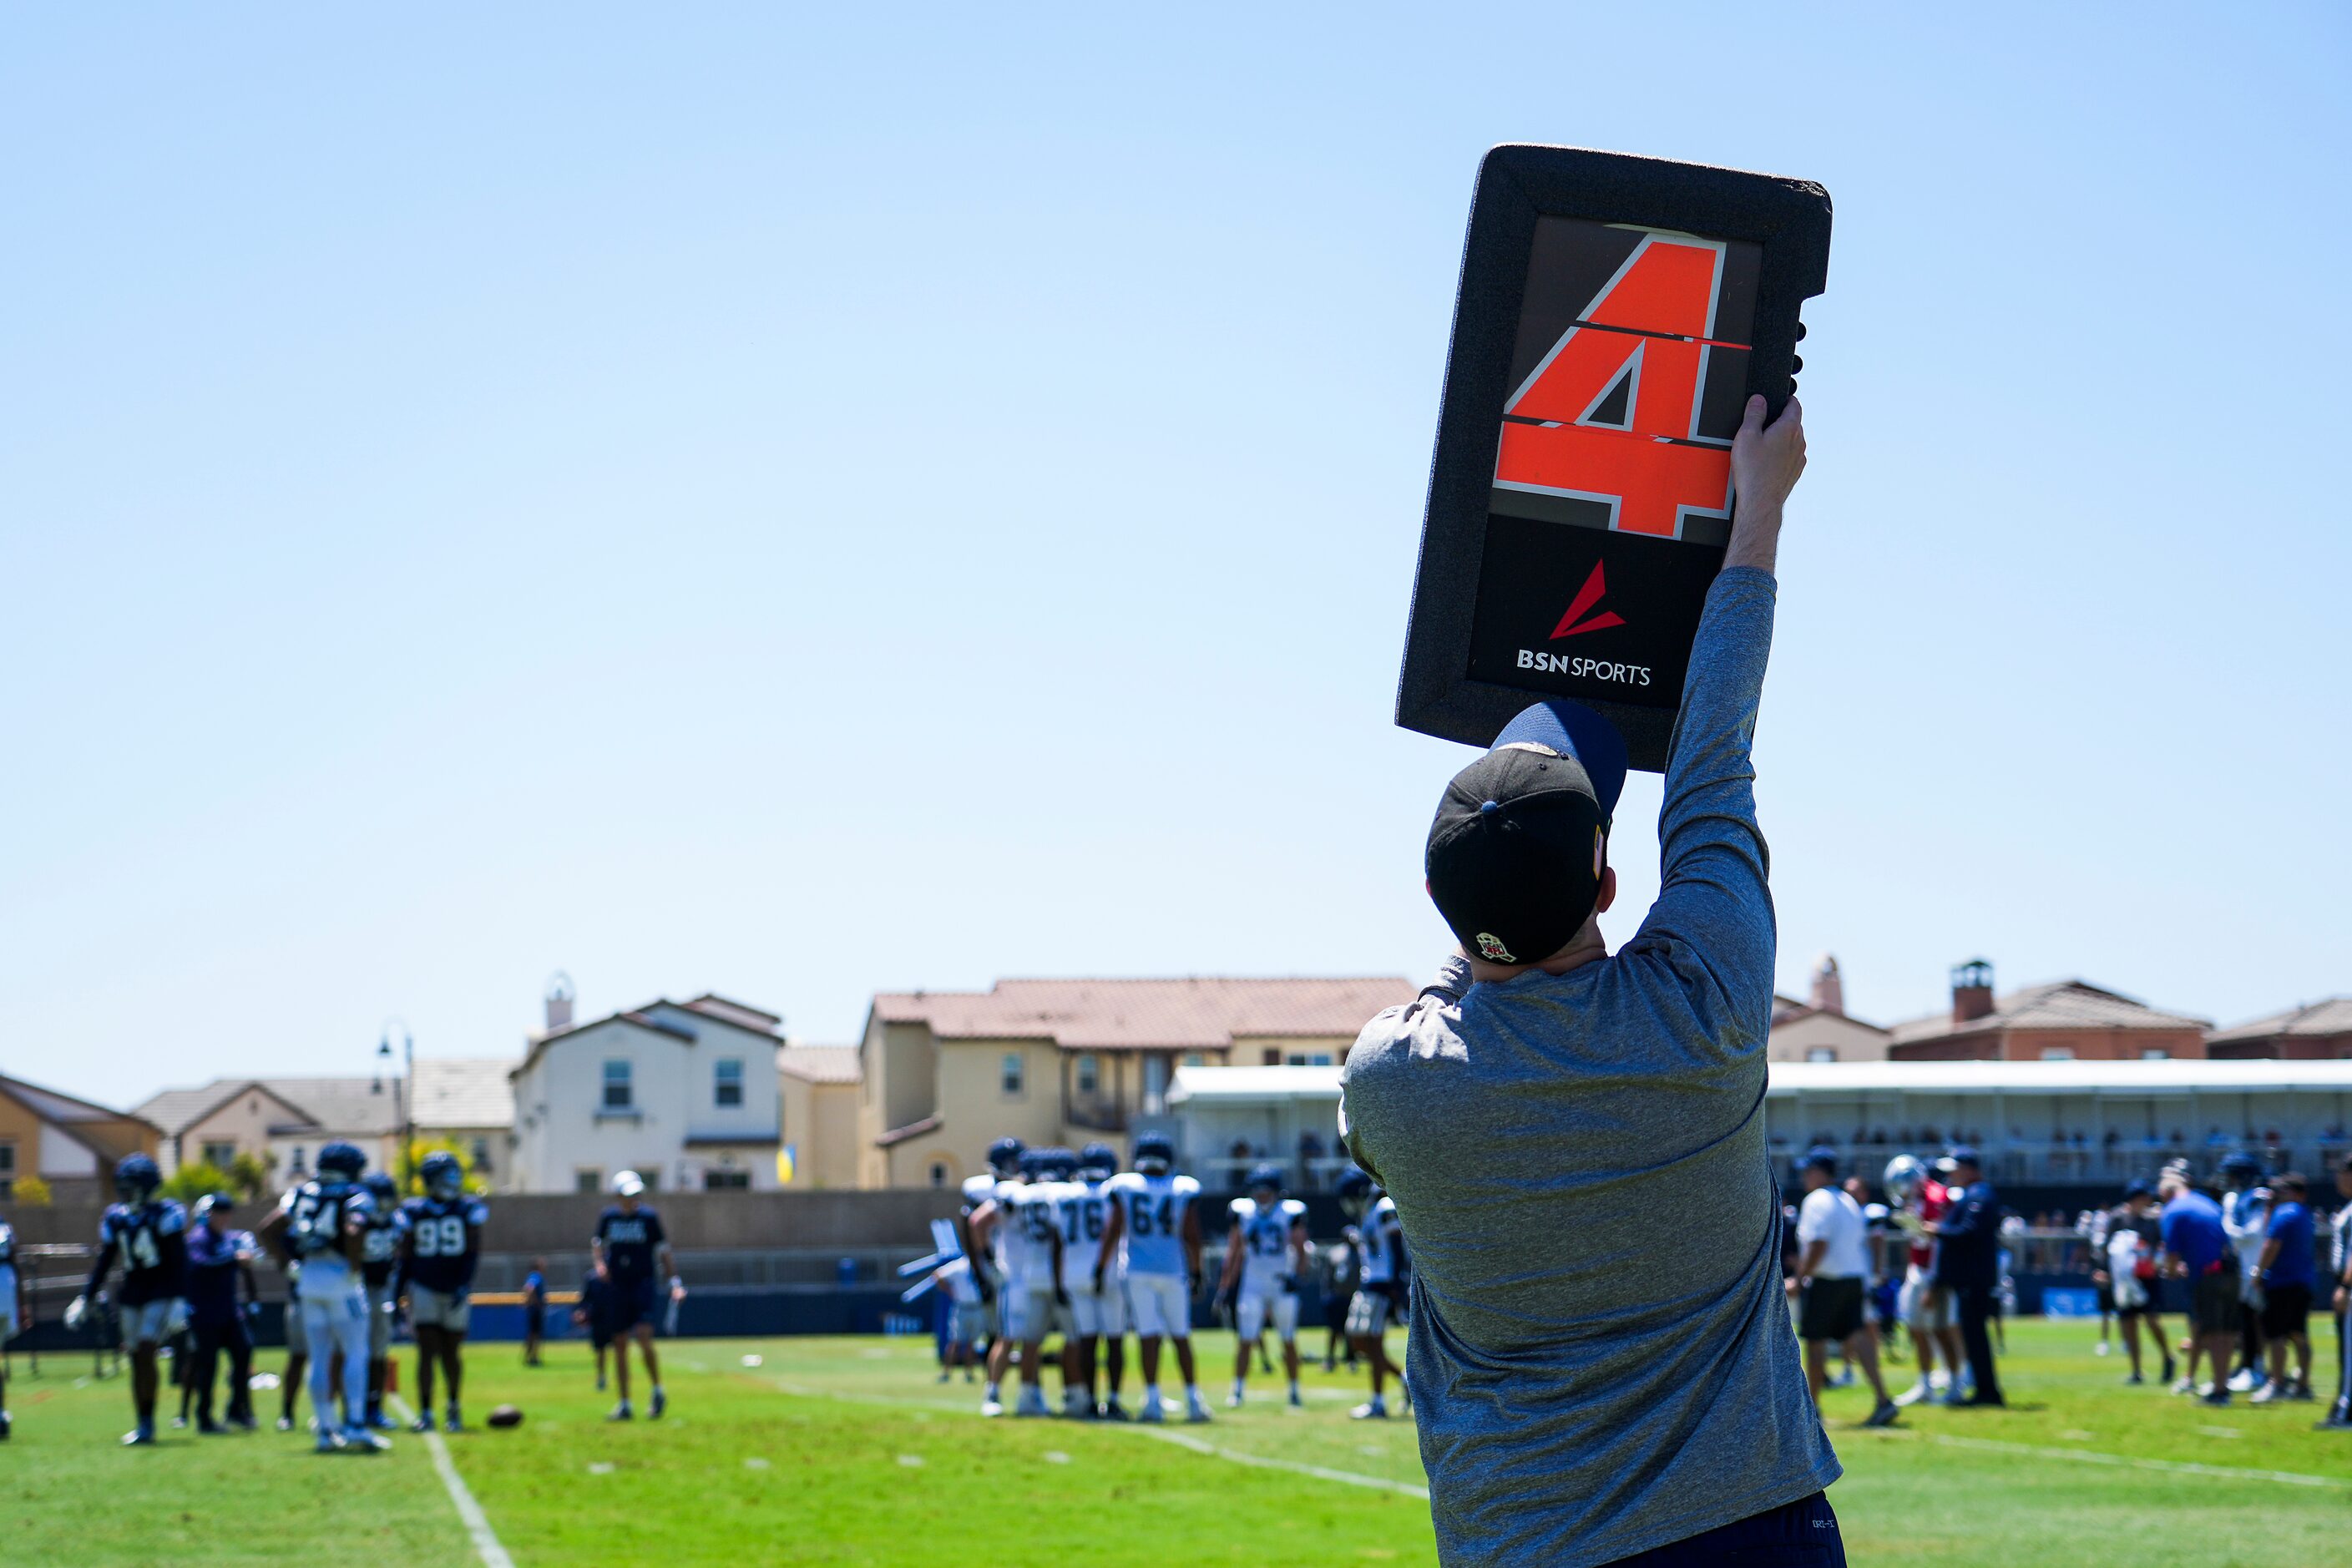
(1586, 597)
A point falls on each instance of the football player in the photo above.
(441, 1248)
(149, 1236)
(297, 1344)
(1382, 1287)
(220, 1259)
(13, 1315)
(1029, 1215)
(594, 1313)
(1098, 1310)
(1154, 1234)
(629, 1242)
(1921, 1200)
(380, 1249)
(1265, 1260)
(983, 1241)
(323, 1223)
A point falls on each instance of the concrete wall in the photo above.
(696, 1221)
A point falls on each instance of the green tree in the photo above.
(414, 1165)
(32, 1193)
(194, 1180)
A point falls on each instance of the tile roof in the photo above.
(464, 1091)
(1203, 1012)
(355, 1105)
(2332, 1017)
(2055, 1005)
(818, 1064)
(711, 1005)
(61, 1109)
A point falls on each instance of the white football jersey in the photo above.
(1380, 1232)
(1153, 1236)
(1265, 1240)
(1033, 1214)
(1084, 1208)
(978, 1190)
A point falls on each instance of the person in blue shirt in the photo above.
(534, 1310)
(220, 1295)
(2287, 1275)
(149, 1236)
(627, 1248)
(1968, 1265)
(2197, 1248)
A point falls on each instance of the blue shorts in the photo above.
(630, 1303)
(1802, 1534)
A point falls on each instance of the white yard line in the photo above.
(1183, 1439)
(469, 1512)
(2177, 1467)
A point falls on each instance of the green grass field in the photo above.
(847, 1451)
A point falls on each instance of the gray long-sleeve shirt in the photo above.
(1600, 1358)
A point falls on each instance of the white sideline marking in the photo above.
(2177, 1467)
(469, 1512)
(1181, 1439)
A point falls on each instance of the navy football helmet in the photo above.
(1004, 1156)
(2241, 1168)
(1033, 1165)
(382, 1188)
(1154, 1154)
(1060, 1165)
(1266, 1178)
(1097, 1162)
(215, 1206)
(1356, 1190)
(136, 1177)
(342, 1161)
(445, 1179)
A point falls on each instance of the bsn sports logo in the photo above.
(1576, 622)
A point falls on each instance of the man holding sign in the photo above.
(1575, 1141)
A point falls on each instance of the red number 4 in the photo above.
(1639, 352)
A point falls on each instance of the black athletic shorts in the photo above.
(1802, 1534)
(2214, 1306)
(1832, 1310)
(2287, 1309)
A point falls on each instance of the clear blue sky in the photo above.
(803, 505)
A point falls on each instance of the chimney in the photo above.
(559, 1002)
(1829, 991)
(1971, 990)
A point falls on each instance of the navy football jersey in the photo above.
(314, 1228)
(629, 1241)
(445, 1241)
(148, 1241)
(380, 1244)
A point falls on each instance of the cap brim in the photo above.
(1574, 731)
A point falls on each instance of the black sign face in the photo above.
(1615, 315)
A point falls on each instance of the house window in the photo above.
(1195, 1059)
(219, 1155)
(939, 1174)
(1307, 1059)
(726, 1181)
(1821, 1053)
(1089, 1075)
(617, 1093)
(481, 1160)
(2155, 1053)
(588, 1179)
(1010, 1073)
(8, 1170)
(2057, 1053)
(1270, 1057)
(727, 1089)
(295, 1164)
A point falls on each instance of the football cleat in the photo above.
(452, 1422)
(4, 1424)
(1112, 1410)
(1296, 1402)
(1370, 1410)
(139, 1436)
(622, 1412)
(361, 1440)
(1195, 1410)
(1152, 1412)
(421, 1425)
(660, 1404)
(327, 1443)
(1884, 1416)
(991, 1407)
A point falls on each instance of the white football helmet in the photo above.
(1904, 1175)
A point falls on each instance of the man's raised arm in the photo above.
(1713, 920)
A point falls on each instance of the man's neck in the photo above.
(1587, 948)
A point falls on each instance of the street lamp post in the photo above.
(403, 1105)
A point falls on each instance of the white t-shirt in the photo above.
(1830, 1215)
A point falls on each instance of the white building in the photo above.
(2097, 1122)
(684, 1093)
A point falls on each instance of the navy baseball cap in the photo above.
(1964, 1155)
(1821, 1157)
(2138, 1187)
(1520, 840)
